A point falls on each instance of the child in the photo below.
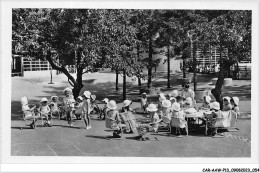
(144, 102)
(234, 102)
(86, 109)
(161, 99)
(45, 110)
(93, 104)
(172, 100)
(206, 103)
(188, 103)
(174, 93)
(104, 110)
(68, 95)
(166, 111)
(113, 120)
(78, 107)
(28, 112)
(54, 106)
(179, 100)
(70, 111)
(152, 110)
(127, 116)
(216, 113)
(226, 104)
(178, 115)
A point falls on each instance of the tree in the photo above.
(228, 31)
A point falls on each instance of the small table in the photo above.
(196, 115)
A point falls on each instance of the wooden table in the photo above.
(196, 115)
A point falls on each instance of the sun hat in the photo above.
(127, 103)
(67, 89)
(207, 98)
(174, 93)
(52, 97)
(24, 100)
(44, 99)
(93, 97)
(87, 94)
(227, 98)
(112, 105)
(166, 103)
(176, 106)
(172, 98)
(79, 97)
(144, 94)
(151, 108)
(236, 100)
(105, 100)
(215, 105)
(162, 97)
(188, 100)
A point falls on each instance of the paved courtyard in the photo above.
(61, 140)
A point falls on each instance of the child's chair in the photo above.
(28, 113)
(228, 121)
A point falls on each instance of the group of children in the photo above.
(170, 109)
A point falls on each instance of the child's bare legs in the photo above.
(69, 116)
(87, 121)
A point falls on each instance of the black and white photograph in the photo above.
(111, 82)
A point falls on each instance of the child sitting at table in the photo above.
(152, 110)
(188, 103)
(144, 102)
(166, 111)
(178, 119)
(180, 100)
(226, 104)
(206, 103)
(234, 102)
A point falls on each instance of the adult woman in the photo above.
(187, 92)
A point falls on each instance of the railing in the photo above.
(36, 65)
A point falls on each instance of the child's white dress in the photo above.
(155, 120)
(27, 112)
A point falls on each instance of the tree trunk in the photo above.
(194, 65)
(124, 85)
(168, 69)
(217, 91)
(78, 85)
(139, 82)
(150, 63)
(183, 68)
(116, 80)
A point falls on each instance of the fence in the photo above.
(36, 65)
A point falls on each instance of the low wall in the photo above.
(44, 73)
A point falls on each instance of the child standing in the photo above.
(86, 109)
(68, 95)
(226, 104)
(144, 102)
(70, 111)
(152, 110)
(45, 110)
(178, 119)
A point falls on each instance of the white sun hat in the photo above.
(67, 89)
(176, 106)
(215, 105)
(127, 103)
(52, 97)
(111, 105)
(207, 98)
(162, 97)
(151, 108)
(236, 100)
(44, 99)
(79, 97)
(172, 98)
(105, 100)
(174, 93)
(188, 100)
(144, 94)
(87, 94)
(166, 103)
(24, 100)
(227, 98)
